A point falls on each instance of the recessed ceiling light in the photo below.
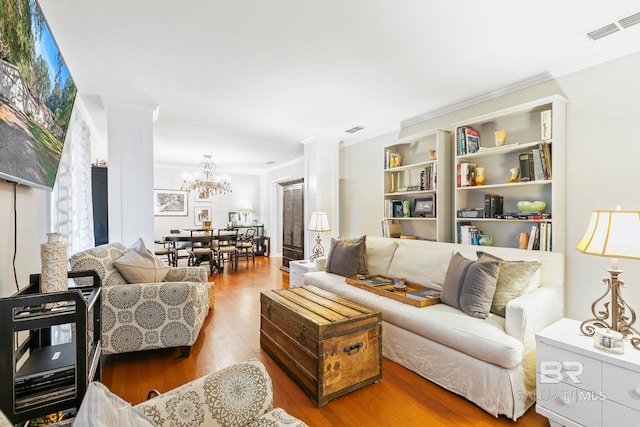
(270, 162)
(354, 129)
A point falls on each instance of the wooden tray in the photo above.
(388, 291)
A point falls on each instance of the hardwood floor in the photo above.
(231, 333)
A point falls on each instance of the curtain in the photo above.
(72, 208)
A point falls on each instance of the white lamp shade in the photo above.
(246, 206)
(319, 222)
(614, 234)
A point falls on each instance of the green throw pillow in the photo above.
(514, 278)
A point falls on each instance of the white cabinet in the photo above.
(422, 179)
(578, 384)
(525, 133)
(297, 269)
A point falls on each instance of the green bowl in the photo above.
(536, 206)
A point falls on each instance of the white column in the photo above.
(321, 167)
(130, 148)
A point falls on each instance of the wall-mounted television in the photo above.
(36, 97)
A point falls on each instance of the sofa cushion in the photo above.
(453, 280)
(139, 265)
(101, 260)
(514, 279)
(484, 339)
(344, 257)
(478, 288)
(419, 265)
(379, 254)
(101, 408)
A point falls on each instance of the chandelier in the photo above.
(208, 182)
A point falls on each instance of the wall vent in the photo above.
(603, 32)
(630, 20)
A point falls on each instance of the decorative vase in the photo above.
(432, 154)
(480, 176)
(53, 256)
(515, 173)
(500, 137)
(485, 240)
(398, 160)
(406, 208)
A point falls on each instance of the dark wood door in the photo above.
(292, 222)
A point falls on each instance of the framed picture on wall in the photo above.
(201, 196)
(235, 217)
(170, 203)
(201, 214)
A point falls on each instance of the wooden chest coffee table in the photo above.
(328, 344)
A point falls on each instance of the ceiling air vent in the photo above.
(603, 32)
(630, 20)
(354, 129)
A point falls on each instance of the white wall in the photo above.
(603, 149)
(245, 187)
(33, 213)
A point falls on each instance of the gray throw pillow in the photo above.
(513, 279)
(453, 280)
(478, 288)
(362, 256)
(344, 258)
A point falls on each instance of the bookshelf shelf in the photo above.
(522, 122)
(418, 170)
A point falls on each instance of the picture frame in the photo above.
(200, 196)
(201, 214)
(425, 206)
(170, 202)
(235, 217)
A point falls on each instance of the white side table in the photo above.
(297, 269)
(579, 385)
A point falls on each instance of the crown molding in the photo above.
(477, 99)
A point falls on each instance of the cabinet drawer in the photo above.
(622, 386)
(618, 415)
(576, 369)
(570, 402)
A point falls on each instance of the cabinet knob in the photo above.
(635, 393)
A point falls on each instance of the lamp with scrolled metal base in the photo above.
(614, 234)
(318, 223)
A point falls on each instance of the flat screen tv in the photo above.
(36, 97)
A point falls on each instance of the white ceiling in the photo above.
(248, 80)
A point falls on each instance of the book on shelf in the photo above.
(538, 170)
(493, 205)
(472, 138)
(545, 154)
(423, 294)
(545, 125)
(459, 227)
(526, 166)
(465, 174)
(534, 237)
(391, 228)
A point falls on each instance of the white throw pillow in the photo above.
(422, 266)
(101, 408)
(139, 265)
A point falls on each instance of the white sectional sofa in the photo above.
(489, 361)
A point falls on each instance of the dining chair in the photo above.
(225, 250)
(245, 246)
(201, 248)
(167, 248)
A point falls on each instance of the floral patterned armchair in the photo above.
(240, 395)
(140, 316)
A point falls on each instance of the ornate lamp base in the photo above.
(620, 320)
(318, 250)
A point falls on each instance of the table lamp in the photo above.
(318, 223)
(246, 207)
(613, 234)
